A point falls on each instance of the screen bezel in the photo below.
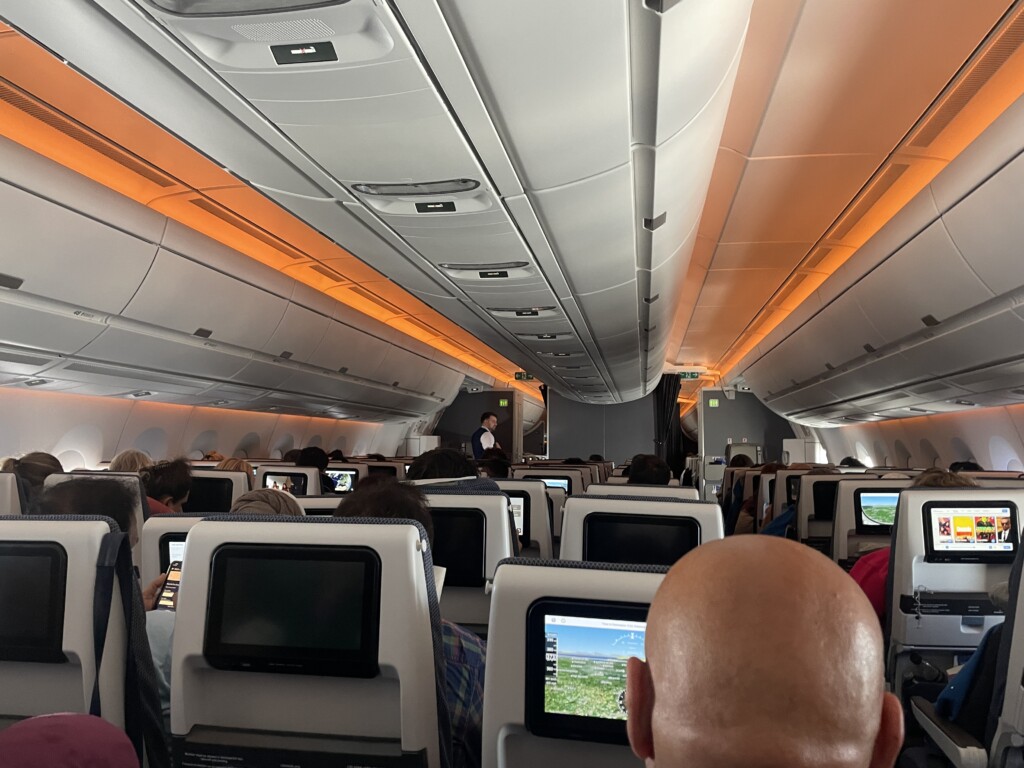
(630, 517)
(566, 478)
(292, 476)
(52, 651)
(525, 496)
(456, 576)
(360, 663)
(388, 470)
(227, 483)
(165, 552)
(931, 555)
(868, 529)
(793, 489)
(558, 726)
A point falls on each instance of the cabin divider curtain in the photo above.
(668, 432)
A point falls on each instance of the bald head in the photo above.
(761, 652)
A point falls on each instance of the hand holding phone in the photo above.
(168, 599)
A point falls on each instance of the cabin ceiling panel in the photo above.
(879, 65)
(578, 55)
(740, 288)
(591, 227)
(789, 199)
(761, 256)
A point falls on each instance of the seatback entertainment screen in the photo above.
(971, 532)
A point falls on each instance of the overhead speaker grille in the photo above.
(295, 30)
(883, 183)
(18, 99)
(1006, 43)
(374, 299)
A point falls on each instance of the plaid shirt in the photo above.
(464, 682)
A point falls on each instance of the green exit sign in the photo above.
(688, 375)
(503, 402)
(713, 402)
(524, 376)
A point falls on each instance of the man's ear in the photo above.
(639, 708)
(890, 734)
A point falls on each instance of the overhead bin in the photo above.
(346, 350)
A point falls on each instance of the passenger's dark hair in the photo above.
(648, 469)
(292, 455)
(106, 498)
(336, 455)
(376, 457)
(440, 463)
(494, 453)
(741, 460)
(486, 415)
(850, 461)
(168, 479)
(32, 469)
(941, 478)
(966, 466)
(312, 456)
(596, 457)
(498, 468)
(386, 497)
(574, 461)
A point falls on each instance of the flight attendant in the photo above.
(483, 438)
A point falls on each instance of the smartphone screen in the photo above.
(170, 588)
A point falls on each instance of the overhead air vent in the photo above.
(282, 31)
(451, 187)
(330, 274)
(1006, 43)
(246, 226)
(22, 101)
(23, 359)
(524, 312)
(243, 8)
(374, 298)
(10, 281)
(484, 272)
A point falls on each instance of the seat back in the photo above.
(347, 474)
(646, 491)
(48, 580)
(865, 510)
(473, 532)
(299, 481)
(308, 638)
(815, 511)
(534, 601)
(215, 490)
(395, 469)
(1006, 713)
(537, 515)
(557, 496)
(786, 490)
(629, 529)
(943, 562)
(998, 482)
(163, 542)
(12, 497)
(323, 506)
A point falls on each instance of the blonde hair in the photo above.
(130, 460)
(235, 465)
(266, 501)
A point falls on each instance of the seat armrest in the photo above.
(962, 749)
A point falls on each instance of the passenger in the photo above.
(464, 652)
(734, 499)
(966, 466)
(31, 470)
(213, 456)
(748, 509)
(850, 461)
(781, 525)
(483, 438)
(315, 457)
(66, 741)
(105, 498)
(376, 457)
(292, 455)
(741, 460)
(648, 469)
(130, 460)
(336, 455)
(497, 468)
(702, 698)
(266, 501)
(574, 461)
(871, 571)
(168, 484)
(440, 463)
(596, 457)
(237, 465)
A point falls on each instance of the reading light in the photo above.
(36, 382)
(450, 187)
(141, 393)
